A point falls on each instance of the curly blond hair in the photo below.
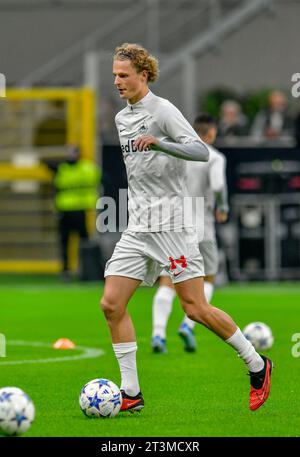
(141, 59)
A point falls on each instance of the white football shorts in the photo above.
(209, 252)
(143, 255)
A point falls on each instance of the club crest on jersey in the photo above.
(177, 266)
(143, 128)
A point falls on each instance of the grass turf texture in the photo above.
(192, 395)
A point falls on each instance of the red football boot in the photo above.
(132, 404)
(260, 385)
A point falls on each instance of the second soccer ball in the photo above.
(260, 335)
(16, 411)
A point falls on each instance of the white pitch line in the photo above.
(88, 353)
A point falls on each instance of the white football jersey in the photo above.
(208, 180)
(157, 187)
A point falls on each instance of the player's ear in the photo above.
(145, 75)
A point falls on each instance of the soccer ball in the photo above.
(259, 334)
(16, 411)
(100, 398)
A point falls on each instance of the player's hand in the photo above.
(221, 216)
(144, 141)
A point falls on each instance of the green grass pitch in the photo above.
(191, 395)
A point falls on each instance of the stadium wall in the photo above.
(250, 58)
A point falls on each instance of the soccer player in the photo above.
(206, 180)
(156, 141)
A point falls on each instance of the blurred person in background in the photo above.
(76, 184)
(232, 121)
(274, 121)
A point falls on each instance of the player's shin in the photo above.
(126, 356)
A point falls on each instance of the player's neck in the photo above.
(138, 97)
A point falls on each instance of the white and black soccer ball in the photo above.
(16, 411)
(260, 335)
(100, 398)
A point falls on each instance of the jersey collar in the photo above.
(140, 103)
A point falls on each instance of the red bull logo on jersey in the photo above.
(129, 147)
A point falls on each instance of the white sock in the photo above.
(208, 292)
(161, 310)
(246, 351)
(126, 355)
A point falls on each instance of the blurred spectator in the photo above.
(274, 121)
(232, 121)
(76, 183)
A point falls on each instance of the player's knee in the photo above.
(193, 313)
(108, 307)
(197, 310)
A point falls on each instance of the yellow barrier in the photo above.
(81, 130)
(9, 172)
(81, 117)
(29, 266)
